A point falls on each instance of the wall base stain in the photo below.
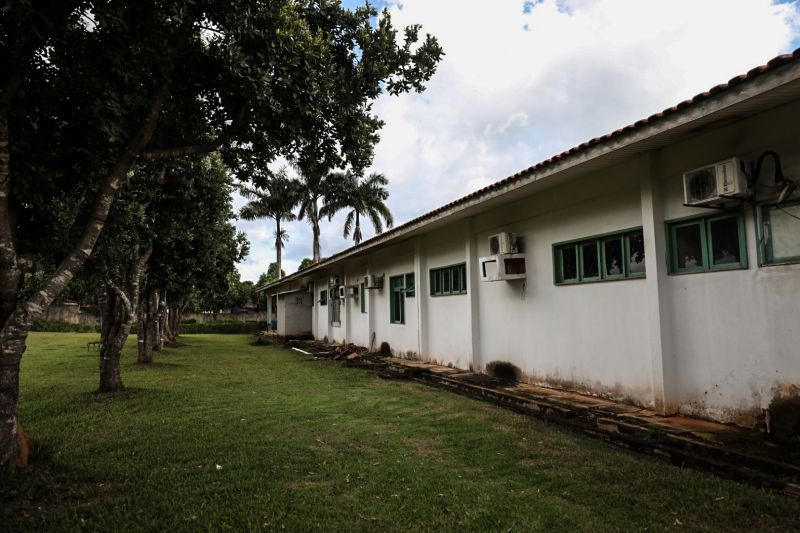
(783, 414)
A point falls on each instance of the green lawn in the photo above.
(306, 444)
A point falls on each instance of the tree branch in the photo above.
(200, 148)
(116, 177)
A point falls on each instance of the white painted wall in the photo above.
(712, 344)
(447, 318)
(590, 336)
(294, 317)
(735, 333)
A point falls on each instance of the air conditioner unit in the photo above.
(503, 243)
(373, 281)
(354, 292)
(502, 267)
(715, 183)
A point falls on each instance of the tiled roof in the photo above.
(771, 65)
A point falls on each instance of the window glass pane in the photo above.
(689, 246)
(724, 241)
(569, 263)
(613, 257)
(456, 276)
(589, 261)
(445, 281)
(323, 297)
(784, 236)
(362, 297)
(636, 250)
(396, 285)
(410, 289)
(463, 269)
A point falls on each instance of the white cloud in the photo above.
(515, 88)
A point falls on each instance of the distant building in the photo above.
(617, 271)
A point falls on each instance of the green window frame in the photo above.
(449, 280)
(605, 257)
(323, 297)
(362, 298)
(695, 244)
(397, 304)
(789, 211)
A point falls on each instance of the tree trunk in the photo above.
(148, 328)
(317, 251)
(117, 311)
(173, 322)
(161, 321)
(357, 230)
(116, 317)
(278, 246)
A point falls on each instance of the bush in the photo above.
(189, 321)
(223, 327)
(56, 326)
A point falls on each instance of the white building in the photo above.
(627, 292)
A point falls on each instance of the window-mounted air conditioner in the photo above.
(373, 281)
(503, 243)
(715, 183)
(502, 267)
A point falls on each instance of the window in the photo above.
(362, 298)
(449, 280)
(604, 257)
(409, 285)
(397, 303)
(323, 297)
(781, 232)
(336, 311)
(703, 244)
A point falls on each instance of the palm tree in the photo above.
(362, 198)
(277, 203)
(314, 186)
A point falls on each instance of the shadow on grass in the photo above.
(45, 485)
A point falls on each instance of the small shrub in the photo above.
(223, 327)
(56, 326)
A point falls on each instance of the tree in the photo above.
(277, 203)
(305, 263)
(90, 90)
(270, 276)
(315, 185)
(361, 198)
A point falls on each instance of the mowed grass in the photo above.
(220, 435)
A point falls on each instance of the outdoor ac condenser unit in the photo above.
(372, 281)
(715, 183)
(503, 243)
(502, 267)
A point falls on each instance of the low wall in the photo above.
(71, 314)
(202, 318)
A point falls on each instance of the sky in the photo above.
(524, 80)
